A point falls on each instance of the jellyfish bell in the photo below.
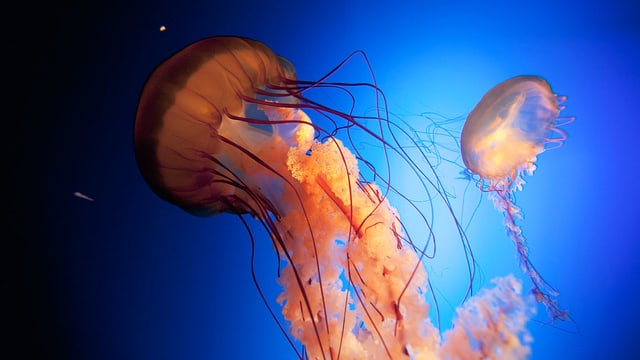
(223, 125)
(511, 125)
(184, 115)
(501, 139)
(185, 138)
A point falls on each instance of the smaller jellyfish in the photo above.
(512, 124)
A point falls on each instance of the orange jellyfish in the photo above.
(502, 137)
(224, 125)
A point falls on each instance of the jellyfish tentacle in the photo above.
(543, 291)
(259, 288)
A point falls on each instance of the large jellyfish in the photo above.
(511, 125)
(224, 125)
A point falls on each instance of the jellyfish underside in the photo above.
(512, 124)
(223, 126)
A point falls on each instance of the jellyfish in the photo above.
(501, 139)
(225, 126)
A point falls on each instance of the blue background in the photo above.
(129, 276)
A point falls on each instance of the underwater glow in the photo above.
(224, 125)
(512, 124)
